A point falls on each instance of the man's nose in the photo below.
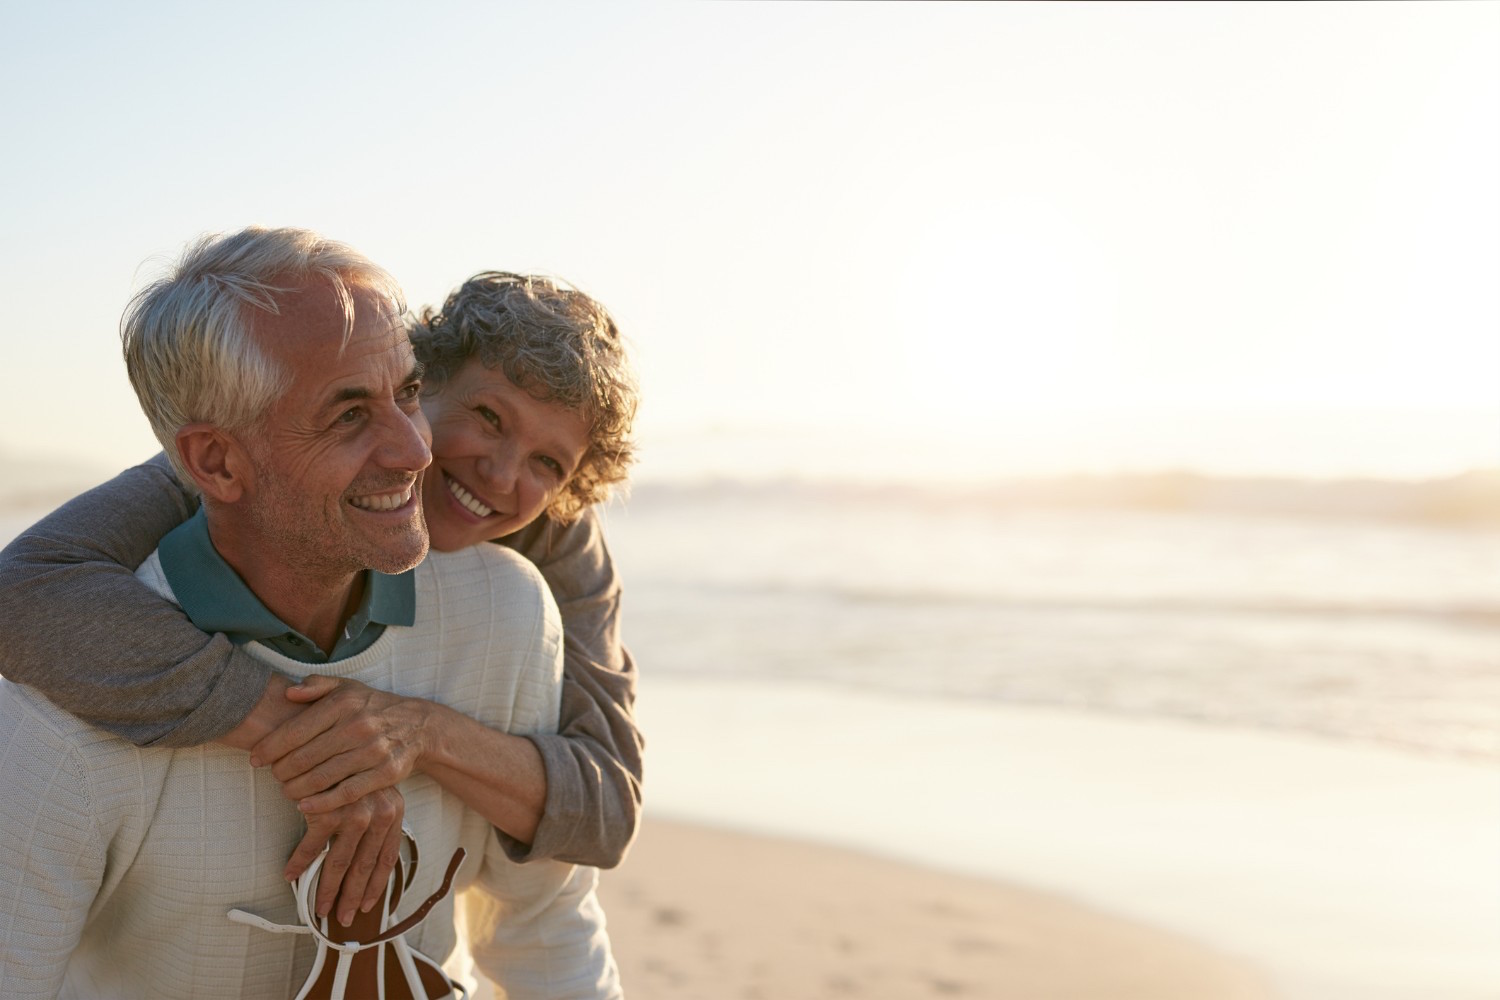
(406, 441)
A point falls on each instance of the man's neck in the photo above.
(311, 602)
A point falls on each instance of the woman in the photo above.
(530, 396)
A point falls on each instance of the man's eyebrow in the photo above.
(350, 393)
(360, 392)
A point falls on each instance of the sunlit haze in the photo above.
(882, 241)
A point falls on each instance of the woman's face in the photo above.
(499, 456)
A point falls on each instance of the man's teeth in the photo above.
(469, 501)
(382, 501)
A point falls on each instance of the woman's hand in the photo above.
(352, 740)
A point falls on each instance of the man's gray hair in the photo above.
(188, 339)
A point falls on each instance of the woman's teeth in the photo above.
(469, 502)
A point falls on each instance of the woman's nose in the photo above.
(501, 468)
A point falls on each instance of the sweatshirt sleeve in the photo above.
(538, 931)
(593, 762)
(77, 625)
(52, 858)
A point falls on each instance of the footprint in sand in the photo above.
(668, 916)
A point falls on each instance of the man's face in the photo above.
(337, 459)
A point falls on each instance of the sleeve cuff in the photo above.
(239, 688)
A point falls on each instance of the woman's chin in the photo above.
(444, 536)
(448, 530)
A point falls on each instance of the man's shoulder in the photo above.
(152, 575)
(482, 557)
(30, 717)
(32, 723)
(83, 786)
(479, 574)
(488, 598)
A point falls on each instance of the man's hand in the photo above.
(339, 757)
(364, 842)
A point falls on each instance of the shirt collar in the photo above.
(215, 599)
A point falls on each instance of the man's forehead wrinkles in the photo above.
(381, 354)
(301, 309)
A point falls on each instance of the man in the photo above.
(275, 371)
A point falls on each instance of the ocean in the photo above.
(1351, 611)
(1349, 626)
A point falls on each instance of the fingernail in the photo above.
(254, 761)
(346, 916)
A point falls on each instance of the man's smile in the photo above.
(384, 501)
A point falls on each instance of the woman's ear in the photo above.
(215, 460)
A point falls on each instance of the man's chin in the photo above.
(400, 554)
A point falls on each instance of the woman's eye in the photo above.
(489, 415)
(554, 465)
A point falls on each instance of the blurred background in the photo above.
(1139, 361)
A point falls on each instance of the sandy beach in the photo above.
(1334, 870)
(698, 913)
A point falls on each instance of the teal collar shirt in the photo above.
(215, 599)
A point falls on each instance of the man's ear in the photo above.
(215, 460)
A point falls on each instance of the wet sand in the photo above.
(1340, 871)
(701, 913)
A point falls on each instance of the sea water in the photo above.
(1363, 628)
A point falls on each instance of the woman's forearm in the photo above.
(500, 775)
(594, 771)
(76, 624)
(593, 763)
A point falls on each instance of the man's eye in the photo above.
(350, 416)
(407, 393)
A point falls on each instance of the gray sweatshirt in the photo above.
(76, 624)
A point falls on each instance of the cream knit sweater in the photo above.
(118, 865)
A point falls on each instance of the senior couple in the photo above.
(238, 665)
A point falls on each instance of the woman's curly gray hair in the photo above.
(557, 344)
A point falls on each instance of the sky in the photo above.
(894, 242)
